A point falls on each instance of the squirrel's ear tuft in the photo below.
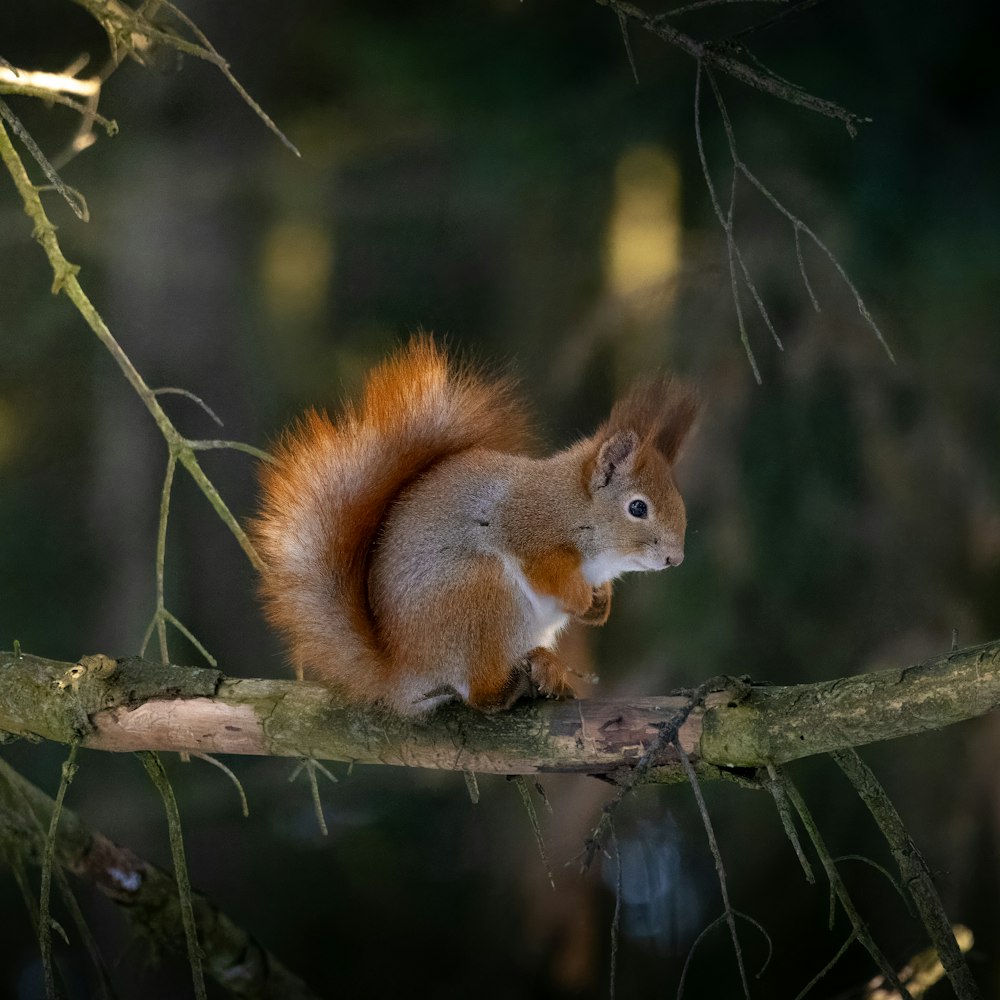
(679, 412)
(614, 457)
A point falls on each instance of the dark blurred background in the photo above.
(492, 172)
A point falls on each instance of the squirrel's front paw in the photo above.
(548, 674)
(600, 606)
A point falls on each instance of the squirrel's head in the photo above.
(638, 514)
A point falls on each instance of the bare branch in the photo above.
(720, 868)
(71, 196)
(154, 767)
(65, 280)
(797, 224)
(913, 870)
(133, 704)
(716, 58)
(173, 390)
(132, 32)
(146, 895)
(861, 930)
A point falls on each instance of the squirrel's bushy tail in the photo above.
(327, 495)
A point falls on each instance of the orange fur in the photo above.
(331, 486)
(556, 573)
(413, 548)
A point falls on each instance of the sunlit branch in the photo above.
(53, 83)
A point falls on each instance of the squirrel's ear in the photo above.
(681, 409)
(614, 457)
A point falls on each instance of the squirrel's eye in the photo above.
(638, 508)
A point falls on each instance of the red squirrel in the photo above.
(416, 552)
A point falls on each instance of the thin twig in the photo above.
(71, 196)
(65, 280)
(796, 222)
(702, 4)
(123, 17)
(472, 785)
(837, 885)
(879, 868)
(17, 868)
(173, 390)
(913, 869)
(536, 829)
(623, 24)
(841, 951)
(310, 765)
(249, 449)
(721, 918)
(775, 786)
(109, 125)
(168, 616)
(717, 59)
(146, 895)
(616, 920)
(161, 553)
(215, 762)
(794, 8)
(69, 769)
(720, 868)
(154, 768)
(726, 223)
(667, 735)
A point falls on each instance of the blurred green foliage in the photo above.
(458, 174)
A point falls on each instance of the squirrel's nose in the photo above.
(675, 557)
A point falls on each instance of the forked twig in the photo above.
(721, 918)
(71, 196)
(726, 221)
(797, 224)
(65, 280)
(775, 785)
(310, 765)
(715, 57)
(913, 870)
(665, 737)
(125, 25)
(536, 828)
(161, 615)
(720, 868)
(861, 929)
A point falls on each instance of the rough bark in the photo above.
(131, 704)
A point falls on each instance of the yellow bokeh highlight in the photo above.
(296, 270)
(644, 236)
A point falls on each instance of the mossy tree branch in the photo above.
(146, 895)
(65, 281)
(132, 704)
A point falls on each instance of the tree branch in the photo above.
(132, 704)
(717, 57)
(146, 894)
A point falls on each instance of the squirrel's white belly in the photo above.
(545, 619)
